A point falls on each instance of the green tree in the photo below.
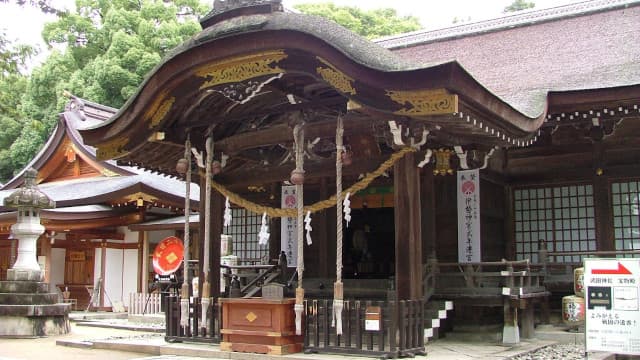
(108, 48)
(518, 5)
(368, 23)
(13, 83)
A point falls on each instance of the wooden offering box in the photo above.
(259, 325)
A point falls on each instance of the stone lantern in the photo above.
(28, 200)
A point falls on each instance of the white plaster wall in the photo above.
(129, 236)
(57, 266)
(113, 275)
(129, 274)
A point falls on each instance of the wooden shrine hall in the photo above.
(346, 150)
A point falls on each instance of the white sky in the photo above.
(25, 23)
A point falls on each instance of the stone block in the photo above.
(24, 287)
(21, 326)
(25, 275)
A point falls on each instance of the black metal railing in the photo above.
(196, 331)
(395, 329)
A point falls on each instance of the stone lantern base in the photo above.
(30, 309)
(24, 275)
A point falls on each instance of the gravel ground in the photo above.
(558, 351)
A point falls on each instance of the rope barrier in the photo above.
(320, 205)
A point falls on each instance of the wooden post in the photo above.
(428, 212)
(103, 268)
(217, 210)
(142, 268)
(407, 217)
(602, 202)
(321, 235)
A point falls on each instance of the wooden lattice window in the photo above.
(625, 199)
(244, 230)
(562, 216)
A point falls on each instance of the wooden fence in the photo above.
(141, 304)
(196, 331)
(370, 328)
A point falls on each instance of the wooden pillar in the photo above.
(428, 212)
(143, 261)
(321, 235)
(602, 201)
(406, 196)
(103, 268)
(509, 227)
(217, 211)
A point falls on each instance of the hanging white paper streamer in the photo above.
(227, 213)
(263, 235)
(307, 226)
(346, 205)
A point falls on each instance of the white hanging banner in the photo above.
(469, 216)
(288, 226)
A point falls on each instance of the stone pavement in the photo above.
(116, 342)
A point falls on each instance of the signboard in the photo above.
(469, 216)
(613, 308)
(289, 226)
(372, 317)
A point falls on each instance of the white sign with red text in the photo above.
(289, 226)
(612, 300)
(469, 216)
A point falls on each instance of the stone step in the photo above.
(34, 310)
(24, 287)
(28, 298)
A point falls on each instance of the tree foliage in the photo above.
(368, 23)
(108, 47)
(518, 5)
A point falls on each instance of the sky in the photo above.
(25, 23)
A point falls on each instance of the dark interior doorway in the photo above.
(369, 244)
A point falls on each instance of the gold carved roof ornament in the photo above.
(112, 148)
(425, 102)
(443, 162)
(336, 78)
(159, 109)
(240, 68)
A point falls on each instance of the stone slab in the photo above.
(25, 275)
(28, 298)
(31, 326)
(24, 287)
(35, 310)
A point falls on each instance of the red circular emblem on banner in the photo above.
(468, 187)
(168, 255)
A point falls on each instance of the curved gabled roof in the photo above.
(111, 181)
(198, 88)
(79, 113)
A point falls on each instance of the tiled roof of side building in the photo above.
(594, 48)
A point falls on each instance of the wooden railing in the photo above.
(398, 332)
(141, 304)
(558, 276)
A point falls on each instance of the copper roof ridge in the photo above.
(518, 19)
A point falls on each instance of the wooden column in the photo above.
(407, 218)
(143, 258)
(321, 236)
(103, 268)
(217, 210)
(428, 212)
(602, 201)
(509, 227)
